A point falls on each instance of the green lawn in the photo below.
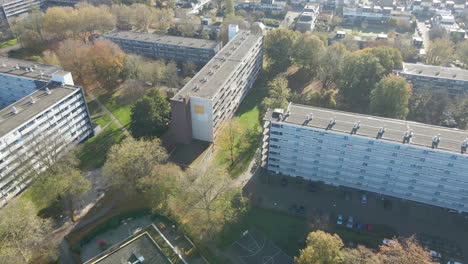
(93, 153)
(249, 117)
(102, 120)
(121, 112)
(8, 43)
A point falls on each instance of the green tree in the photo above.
(405, 46)
(23, 234)
(189, 69)
(427, 107)
(230, 139)
(440, 52)
(150, 116)
(389, 58)
(132, 160)
(458, 111)
(330, 64)
(390, 97)
(306, 52)
(278, 49)
(228, 8)
(278, 94)
(322, 248)
(361, 71)
(462, 53)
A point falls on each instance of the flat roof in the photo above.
(450, 139)
(435, 71)
(163, 39)
(28, 69)
(140, 246)
(27, 110)
(216, 72)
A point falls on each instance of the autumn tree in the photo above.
(133, 67)
(57, 23)
(439, 52)
(330, 64)
(360, 72)
(277, 48)
(278, 94)
(132, 160)
(131, 90)
(107, 61)
(405, 46)
(73, 56)
(189, 69)
(359, 255)
(403, 251)
(207, 201)
(29, 30)
(23, 234)
(321, 248)
(228, 8)
(390, 97)
(230, 139)
(462, 53)
(150, 115)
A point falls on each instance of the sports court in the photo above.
(254, 248)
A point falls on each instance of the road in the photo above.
(424, 34)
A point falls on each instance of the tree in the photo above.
(57, 23)
(427, 107)
(86, 20)
(228, 8)
(404, 251)
(130, 91)
(23, 234)
(361, 71)
(321, 248)
(330, 64)
(132, 67)
(160, 184)
(189, 69)
(74, 57)
(390, 97)
(150, 116)
(207, 201)
(458, 111)
(107, 59)
(462, 53)
(277, 48)
(405, 46)
(359, 255)
(278, 94)
(230, 138)
(438, 32)
(132, 160)
(440, 52)
(306, 52)
(389, 58)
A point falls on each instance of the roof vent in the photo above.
(331, 123)
(355, 128)
(464, 146)
(308, 118)
(435, 141)
(380, 133)
(31, 100)
(277, 113)
(3, 65)
(14, 111)
(48, 91)
(407, 136)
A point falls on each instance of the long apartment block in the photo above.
(215, 92)
(436, 79)
(157, 46)
(398, 158)
(41, 111)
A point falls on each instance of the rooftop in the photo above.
(29, 69)
(450, 139)
(435, 71)
(138, 249)
(216, 72)
(164, 39)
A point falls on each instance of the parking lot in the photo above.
(434, 226)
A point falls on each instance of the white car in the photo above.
(364, 198)
(339, 220)
(388, 242)
(435, 254)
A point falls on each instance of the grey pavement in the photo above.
(424, 34)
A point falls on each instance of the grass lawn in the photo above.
(93, 152)
(8, 43)
(249, 117)
(102, 120)
(121, 112)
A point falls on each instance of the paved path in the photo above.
(109, 113)
(424, 34)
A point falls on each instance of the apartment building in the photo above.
(307, 19)
(216, 91)
(436, 79)
(403, 159)
(41, 112)
(375, 14)
(157, 46)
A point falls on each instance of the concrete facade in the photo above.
(321, 145)
(215, 92)
(41, 114)
(436, 79)
(157, 46)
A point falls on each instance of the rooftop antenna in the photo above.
(331, 123)
(435, 141)
(464, 146)
(355, 128)
(14, 111)
(309, 118)
(380, 132)
(48, 91)
(31, 100)
(407, 136)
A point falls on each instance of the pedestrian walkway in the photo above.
(109, 113)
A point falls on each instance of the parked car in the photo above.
(359, 225)
(364, 198)
(388, 242)
(435, 254)
(350, 222)
(339, 220)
